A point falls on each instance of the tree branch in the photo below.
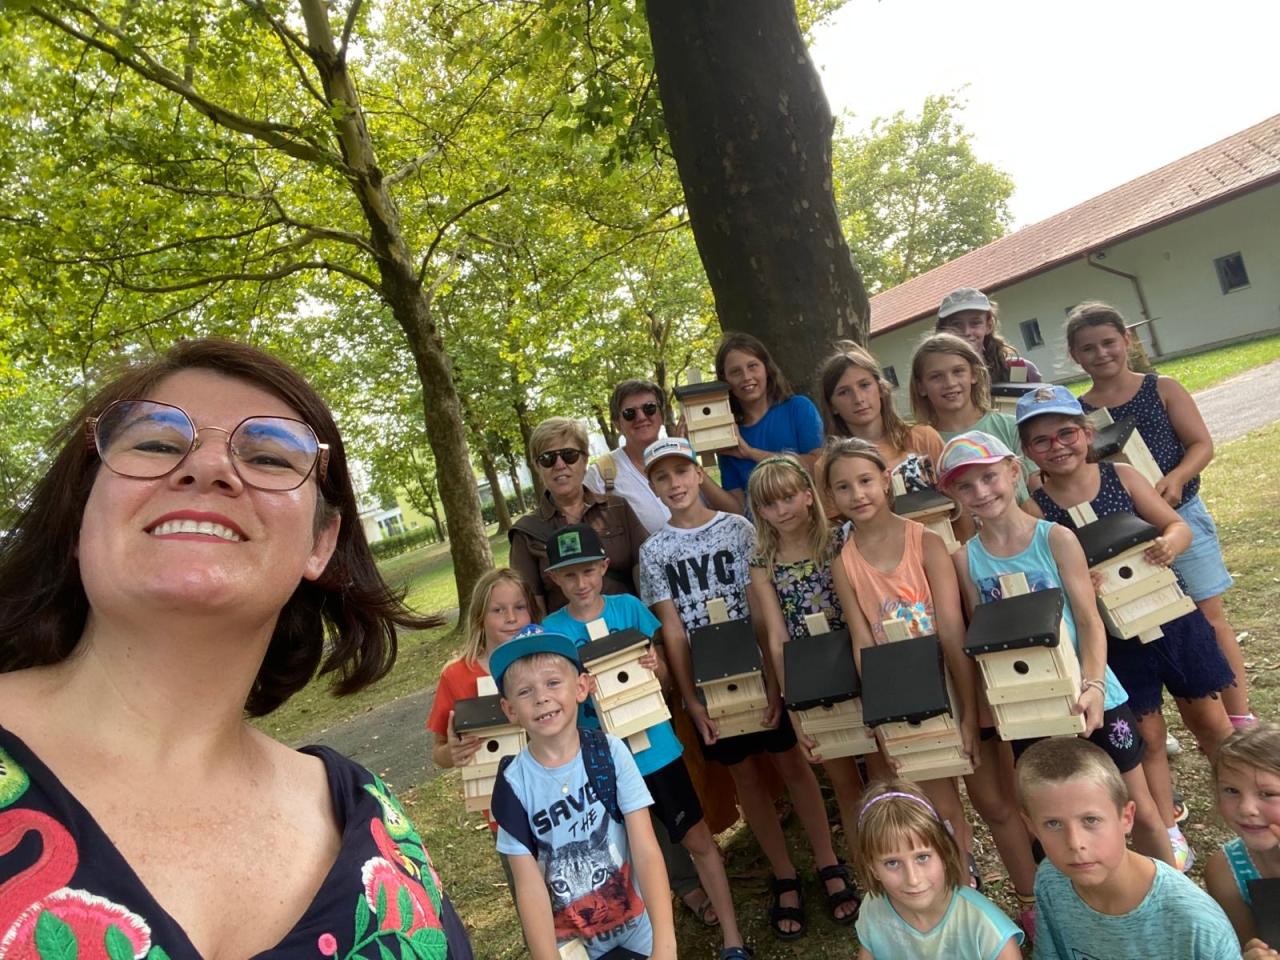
(426, 259)
(267, 276)
(347, 27)
(409, 169)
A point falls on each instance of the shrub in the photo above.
(403, 543)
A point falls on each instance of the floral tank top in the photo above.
(901, 594)
(805, 587)
(66, 891)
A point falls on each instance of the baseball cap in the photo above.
(1047, 399)
(528, 641)
(968, 450)
(668, 447)
(965, 298)
(578, 543)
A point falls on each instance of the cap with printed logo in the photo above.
(528, 641)
(578, 543)
(966, 298)
(668, 447)
(1048, 399)
(969, 450)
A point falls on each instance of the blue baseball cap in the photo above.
(1048, 399)
(528, 641)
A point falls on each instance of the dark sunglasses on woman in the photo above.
(648, 409)
(570, 456)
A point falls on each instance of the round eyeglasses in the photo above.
(648, 409)
(146, 440)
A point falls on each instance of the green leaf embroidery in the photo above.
(428, 943)
(381, 908)
(54, 939)
(119, 947)
(404, 904)
(157, 953)
(13, 780)
(384, 953)
(413, 851)
(362, 917)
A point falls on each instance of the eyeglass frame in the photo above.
(559, 454)
(319, 466)
(640, 408)
(1038, 444)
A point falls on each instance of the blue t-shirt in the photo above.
(792, 426)
(973, 928)
(1175, 919)
(583, 852)
(622, 611)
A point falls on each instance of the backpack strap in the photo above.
(607, 467)
(597, 758)
(508, 812)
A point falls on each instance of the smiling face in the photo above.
(970, 325)
(644, 428)
(946, 381)
(562, 480)
(1102, 350)
(859, 488)
(582, 582)
(676, 481)
(1080, 827)
(986, 490)
(506, 612)
(200, 539)
(1056, 443)
(1249, 800)
(747, 376)
(541, 694)
(789, 512)
(913, 875)
(856, 399)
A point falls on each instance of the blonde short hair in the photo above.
(1060, 759)
(557, 430)
(894, 810)
(773, 479)
(1256, 746)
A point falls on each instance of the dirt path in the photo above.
(392, 740)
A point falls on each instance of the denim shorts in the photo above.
(1201, 564)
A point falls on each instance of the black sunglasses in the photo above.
(649, 409)
(570, 456)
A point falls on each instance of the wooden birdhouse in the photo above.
(1005, 396)
(708, 416)
(575, 949)
(822, 689)
(483, 717)
(1120, 442)
(728, 672)
(935, 510)
(907, 697)
(1030, 670)
(1135, 596)
(628, 697)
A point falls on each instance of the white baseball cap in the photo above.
(965, 298)
(668, 447)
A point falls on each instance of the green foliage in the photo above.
(389, 547)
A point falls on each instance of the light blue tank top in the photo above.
(1241, 864)
(1036, 562)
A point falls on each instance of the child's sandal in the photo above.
(735, 953)
(975, 878)
(840, 871)
(778, 914)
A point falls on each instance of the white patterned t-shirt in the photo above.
(690, 566)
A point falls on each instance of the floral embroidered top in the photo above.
(805, 587)
(66, 892)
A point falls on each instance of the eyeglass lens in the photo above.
(569, 455)
(649, 409)
(145, 440)
(1066, 436)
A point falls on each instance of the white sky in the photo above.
(1071, 97)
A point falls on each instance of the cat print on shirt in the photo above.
(592, 893)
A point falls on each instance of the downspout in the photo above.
(1142, 298)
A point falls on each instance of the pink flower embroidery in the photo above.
(390, 850)
(87, 915)
(379, 874)
(327, 944)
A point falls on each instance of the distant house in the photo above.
(1189, 253)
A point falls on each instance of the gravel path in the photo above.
(392, 740)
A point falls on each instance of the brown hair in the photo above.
(1255, 746)
(996, 350)
(848, 356)
(1093, 313)
(777, 389)
(948, 343)
(893, 811)
(1059, 759)
(847, 448)
(476, 644)
(772, 479)
(629, 388)
(343, 622)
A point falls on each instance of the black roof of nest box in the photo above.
(919, 501)
(691, 390)
(1110, 440)
(479, 713)
(723, 650)
(1112, 535)
(1014, 623)
(608, 645)
(903, 680)
(1013, 389)
(820, 670)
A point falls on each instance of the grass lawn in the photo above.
(1200, 370)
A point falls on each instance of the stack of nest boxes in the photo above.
(483, 717)
(935, 510)
(823, 691)
(1005, 396)
(708, 416)
(907, 697)
(627, 697)
(1030, 670)
(1122, 443)
(1135, 596)
(728, 671)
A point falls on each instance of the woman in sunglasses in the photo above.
(637, 410)
(559, 449)
(194, 554)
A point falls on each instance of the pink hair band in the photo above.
(897, 793)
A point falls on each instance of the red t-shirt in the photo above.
(457, 682)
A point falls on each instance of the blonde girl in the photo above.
(918, 904)
(790, 579)
(1246, 775)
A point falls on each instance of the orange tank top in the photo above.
(901, 594)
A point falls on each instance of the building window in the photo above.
(392, 526)
(1231, 272)
(1031, 333)
(891, 375)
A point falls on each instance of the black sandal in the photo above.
(840, 871)
(779, 887)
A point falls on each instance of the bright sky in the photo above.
(1070, 98)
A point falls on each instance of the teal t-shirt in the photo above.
(622, 611)
(973, 928)
(1175, 919)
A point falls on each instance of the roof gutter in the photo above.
(1147, 319)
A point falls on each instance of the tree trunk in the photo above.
(509, 457)
(495, 486)
(404, 293)
(434, 513)
(606, 428)
(751, 131)
(526, 431)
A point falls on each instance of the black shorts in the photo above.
(675, 801)
(1186, 661)
(736, 749)
(1118, 736)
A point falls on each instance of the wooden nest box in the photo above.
(822, 689)
(628, 697)
(1120, 442)
(728, 671)
(1030, 670)
(906, 696)
(935, 510)
(1005, 396)
(708, 416)
(483, 717)
(1136, 596)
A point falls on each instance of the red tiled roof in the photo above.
(1245, 161)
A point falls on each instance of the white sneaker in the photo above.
(1183, 855)
(1171, 745)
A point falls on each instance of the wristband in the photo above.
(1092, 684)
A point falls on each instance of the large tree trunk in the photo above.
(751, 131)
(495, 486)
(606, 428)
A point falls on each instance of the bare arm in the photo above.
(533, 904)
(1010, 950)
(766, 613)
(651, 877)
(1190, 427)
(968, 590)
(859, 630)
(718, 498)
(680, 661)
(949, 622)
(1221, 884)
(1030, 506)
(1175, 535)
(1091, 638)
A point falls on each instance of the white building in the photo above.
(1189, 253)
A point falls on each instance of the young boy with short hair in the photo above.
(1096, 898)
(577, 563)
(572, 815)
